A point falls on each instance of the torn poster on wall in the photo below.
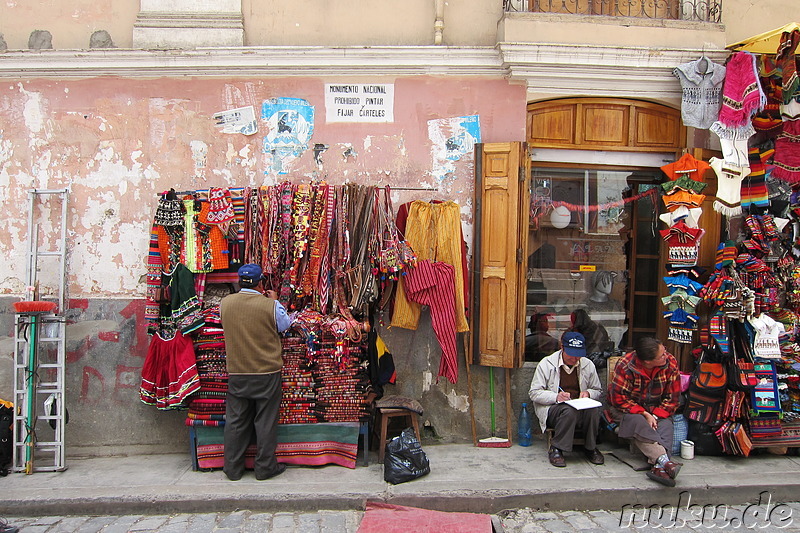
(240, 120)
(359, 102)
(451, 138)
(290, 122)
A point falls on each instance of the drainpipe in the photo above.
(438, 25)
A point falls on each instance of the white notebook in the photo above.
(583, 403)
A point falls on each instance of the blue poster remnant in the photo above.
(451, 138)
(290, 124)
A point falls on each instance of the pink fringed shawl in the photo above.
(742, 96)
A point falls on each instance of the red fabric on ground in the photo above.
(388, 518)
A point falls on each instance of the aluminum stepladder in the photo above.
(40, 345)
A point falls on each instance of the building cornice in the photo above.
(567, 70)
(272, 61)
(578, 70)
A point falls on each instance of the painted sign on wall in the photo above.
(359, 102)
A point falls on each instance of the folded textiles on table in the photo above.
(298, 444)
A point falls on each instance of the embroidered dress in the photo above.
(187, 315)
(729, 186)
(701, 96)
(169, 372)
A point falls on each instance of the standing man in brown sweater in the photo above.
(252, 323)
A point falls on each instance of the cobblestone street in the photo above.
(765, 517)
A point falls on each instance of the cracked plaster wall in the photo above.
(117, 143)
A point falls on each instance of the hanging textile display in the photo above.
(701, 94)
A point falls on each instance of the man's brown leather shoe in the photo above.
(595, 457)
(658, 475)
(672, 468)
(556, 459)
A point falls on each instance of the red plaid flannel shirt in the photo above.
(632, 391)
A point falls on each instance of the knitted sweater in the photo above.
(252, 343)
(701, 83)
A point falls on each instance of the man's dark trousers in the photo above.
(564, 419)
(252, 404)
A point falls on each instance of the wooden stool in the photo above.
(577, 439)
(384, 415)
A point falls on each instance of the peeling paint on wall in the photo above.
(459, 402)
(452, 139)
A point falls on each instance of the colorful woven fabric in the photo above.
(742, 96)
(754, 187)
(787, 153)
(298, 444)
(786, 60)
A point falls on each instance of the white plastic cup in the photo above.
(687, 449)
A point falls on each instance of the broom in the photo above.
(493, 441)
(33, 308)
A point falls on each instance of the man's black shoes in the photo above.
(556, 459)
(594, 456)
(278, 471)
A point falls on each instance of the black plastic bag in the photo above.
(404, 460)
(705, 441)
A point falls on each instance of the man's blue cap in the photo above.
(250, 273)
(573, 344)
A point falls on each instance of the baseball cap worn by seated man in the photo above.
(573, 344)
(250, 273)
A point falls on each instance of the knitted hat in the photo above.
(221, 205)
(742, 95)
(169, 212)
(729, 186)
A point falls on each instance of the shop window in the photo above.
(582, 228)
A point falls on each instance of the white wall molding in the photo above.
(188, 24)
(633, 72)
(545, 69)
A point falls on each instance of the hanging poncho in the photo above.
(742, 96)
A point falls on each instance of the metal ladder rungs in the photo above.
(39, 371)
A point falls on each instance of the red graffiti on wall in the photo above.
(135, 310)
(88, 373)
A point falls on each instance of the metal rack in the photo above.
(40, 350)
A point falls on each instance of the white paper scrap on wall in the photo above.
(240, 120)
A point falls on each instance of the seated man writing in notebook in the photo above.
(564, 375)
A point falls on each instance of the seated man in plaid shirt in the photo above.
(643, 396)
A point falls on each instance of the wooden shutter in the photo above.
(501, 227)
